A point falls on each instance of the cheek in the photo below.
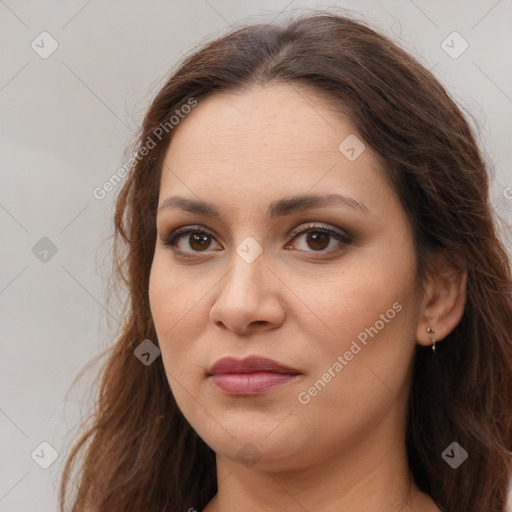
(172, 297)
(179, 315)
(348, 303)
(167, 299)
(162, 297)
(363, 383)
(370, 316)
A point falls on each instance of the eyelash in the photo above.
(171, 239)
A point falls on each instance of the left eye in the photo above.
(317, 238)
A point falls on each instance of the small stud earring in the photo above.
(431, 331)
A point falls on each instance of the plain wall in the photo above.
(65, 121)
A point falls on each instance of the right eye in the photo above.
(199, 239)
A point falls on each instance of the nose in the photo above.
(248, 298)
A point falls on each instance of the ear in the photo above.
(443, 302)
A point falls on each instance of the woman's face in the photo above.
(325, 288)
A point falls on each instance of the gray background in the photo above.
(66, 120)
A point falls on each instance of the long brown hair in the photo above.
(139, 452)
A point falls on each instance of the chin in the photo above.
(246, 442)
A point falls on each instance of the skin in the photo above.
(295, 303)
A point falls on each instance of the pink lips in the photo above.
(250, 376)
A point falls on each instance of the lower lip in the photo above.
(251, 383)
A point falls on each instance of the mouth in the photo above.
(250, 376)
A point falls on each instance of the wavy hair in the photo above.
(138, 452)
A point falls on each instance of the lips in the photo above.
(251, 364)
(250, 376)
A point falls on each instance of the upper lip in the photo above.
(251, 364)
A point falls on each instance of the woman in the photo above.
(320, 313)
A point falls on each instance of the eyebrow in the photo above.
(278, 208)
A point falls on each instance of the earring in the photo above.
(431, 331)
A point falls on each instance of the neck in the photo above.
(372, 475)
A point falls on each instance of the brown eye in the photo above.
(199, 241)
(318, 239)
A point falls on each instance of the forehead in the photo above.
(269, 141)
(282, 118)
